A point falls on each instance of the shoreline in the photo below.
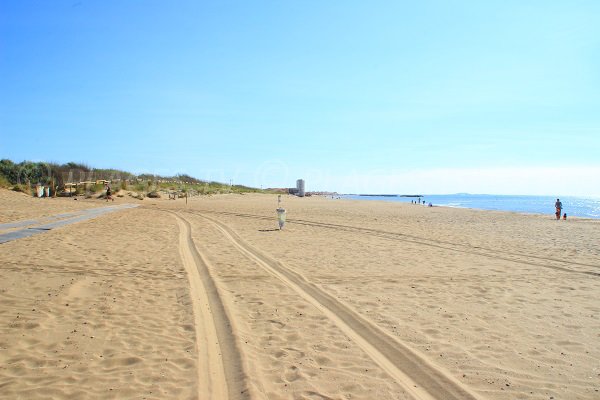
(388, 199)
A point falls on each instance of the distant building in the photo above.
(299, 190)
(300, 186)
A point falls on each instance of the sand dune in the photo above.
(352, 300)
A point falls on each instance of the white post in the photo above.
(280, 213)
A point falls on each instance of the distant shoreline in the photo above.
(389, 195)
(524, 204)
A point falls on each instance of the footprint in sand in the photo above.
(315, 396)
(431, 332)
(123, 362)
(323, 360)
(277, 323)
(280, 354)
(188, 328)
(292, 374)
(299, 353)
(320, 347)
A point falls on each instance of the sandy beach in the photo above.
(352, 300)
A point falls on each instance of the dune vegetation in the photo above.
(79, 178)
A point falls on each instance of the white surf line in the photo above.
(420, 378)
(220, 370)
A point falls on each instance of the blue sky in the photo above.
(354, 96)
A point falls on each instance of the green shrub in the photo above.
(23, 189)
(4, 182)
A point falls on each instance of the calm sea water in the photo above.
(573, 206)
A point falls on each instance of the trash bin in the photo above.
(281, 217)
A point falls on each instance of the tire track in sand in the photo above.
(419, 377)
(220, 371)
(511, 256)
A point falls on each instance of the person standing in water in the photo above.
(558, 206)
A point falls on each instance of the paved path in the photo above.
(34, 227)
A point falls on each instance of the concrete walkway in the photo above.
(34, 227)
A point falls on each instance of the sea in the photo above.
(573, 206)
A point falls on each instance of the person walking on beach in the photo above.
(558, 206)
(109, 194)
